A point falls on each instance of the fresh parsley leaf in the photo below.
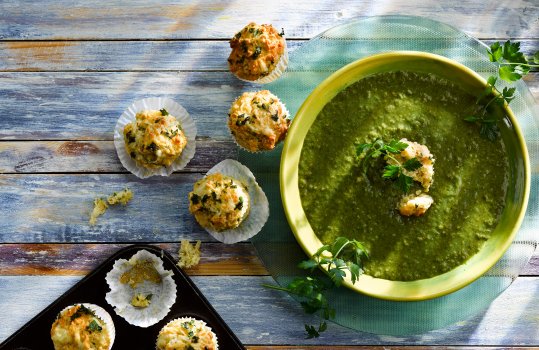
(308, 264)
(163, 111)
(489, 131)
(396, 146)
(536, 57)
(391, 171)
(508, 94)
(495, 52)
(412, 164)
(404, 182)
(508, 73)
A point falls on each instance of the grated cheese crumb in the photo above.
(122, 197)
(101, 204)
(189, 254)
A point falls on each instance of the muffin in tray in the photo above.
(258, 53)
(186, 333)
(258, 121)
(83, 326)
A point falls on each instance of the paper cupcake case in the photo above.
(155, 103)
(120, 295)
(259, 211)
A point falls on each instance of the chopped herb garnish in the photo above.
(194, 339)
(163, 111)
(282, 32)
(205, 198)
(258, 51)
(239, 205)
(238, 35)
(395, 171)
(94, 327)
(130, 137)
(275, 117)
(195, 198)
(132, 154)
(512, 66)
(336, 258)
(242, 119)
(82, 310)
(152, 147)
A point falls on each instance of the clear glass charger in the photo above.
(309, 65)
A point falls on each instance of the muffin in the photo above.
(186, 334)
(219, 202)
(155, 139)
(258, 53)
(155, 136)
(228, 202)
(258, 121)
(83, 326)
(141, 291)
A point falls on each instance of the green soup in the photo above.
(470, 175)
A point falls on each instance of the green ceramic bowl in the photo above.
(517, 195)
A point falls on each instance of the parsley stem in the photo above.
(270, 286)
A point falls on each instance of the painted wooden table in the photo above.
(67, 71)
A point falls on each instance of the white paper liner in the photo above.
(120, 295)
(155, 103)
(187, 319)
(263, 150)
(259, 211)
(102, 314)
(279, 69)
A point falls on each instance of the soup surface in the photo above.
(470, 175)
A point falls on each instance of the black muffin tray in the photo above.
(190, 302)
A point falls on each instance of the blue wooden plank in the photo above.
(56, 208)
(168, 19)
(266, 317)
(60, 106)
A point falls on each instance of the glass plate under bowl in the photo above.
(309, 65)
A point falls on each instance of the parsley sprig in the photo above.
(512, 66)
(394, 171)
(336, 258)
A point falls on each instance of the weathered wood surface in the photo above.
(86, 106)
(141, 19)
(93, 156)
(69, 69)
(132, 55)
(267, 317)
(79, 259)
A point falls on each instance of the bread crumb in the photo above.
(101, 204)
(189, 254)
(122, 197)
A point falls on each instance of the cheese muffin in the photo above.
(219, 202)
(155, 139)
(186, 334)
(258, 121)
(83, 326)
(257, 52)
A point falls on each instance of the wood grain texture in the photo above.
(261, 317)
(216, 259)
(86, 106)
(94, 156)
(133, 55)
(56, 208)
(79, 259)
(138, 19)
